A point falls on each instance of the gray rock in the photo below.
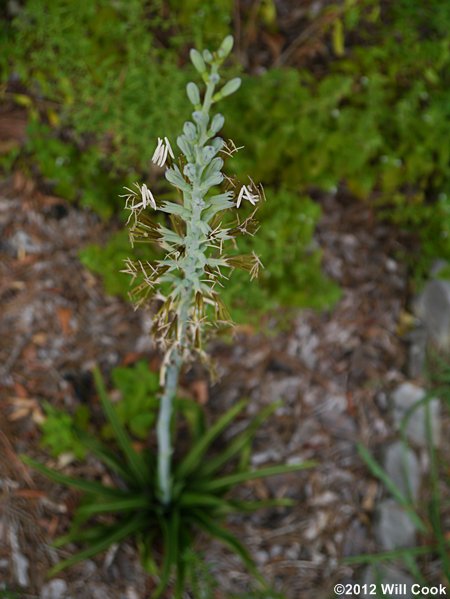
(402, 466)
(55, 589)
(433, 309)
(417, 351)
(20, 564)
(394, 529)
(98, 591)
(404, 398)
(388, 575)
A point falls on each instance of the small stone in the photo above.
(261, 557)
(417, 351)
(355, 539)
(276, 551)
(433, 309)
(394, 529)
(99, 591)
(402, 466)
(55, 589)
(293, 552)
(404, 398)
(317, 526)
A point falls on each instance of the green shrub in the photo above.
(376, 120)
(136, 409)
(138, 403)
(60, 431)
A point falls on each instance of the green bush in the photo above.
(60, 431)
(109, 77)
(136, 410)
(378, 121)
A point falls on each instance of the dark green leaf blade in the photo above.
(227, 482)
(193, 458)
(238, 443)
(77, 483)
(134, 459)
(119, 505)
(118, 533)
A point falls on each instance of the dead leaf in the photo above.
(29, 493)
(199, 390)
(24, 408)
(368, 502)
(64, 315)
(20, 390)
(131, 358)
(39, 339)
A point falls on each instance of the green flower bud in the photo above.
(225, 47)
(207, 56)
(190, 131)
(193, 93)
(228, 89)
(197, 61)
(217, 123)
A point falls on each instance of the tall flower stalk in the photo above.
(185, 281)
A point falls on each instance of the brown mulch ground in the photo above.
(332, 371)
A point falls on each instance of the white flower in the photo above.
(131, 196)
(246, 194)
(162, 149)
(147, 198)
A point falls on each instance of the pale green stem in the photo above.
(163, 429)
(171, 377)
(174, 362)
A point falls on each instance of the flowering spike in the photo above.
(196, 262)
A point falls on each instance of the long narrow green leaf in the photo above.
(371, 558)
(119, 533)
(230, 506)
(201, 500)
(411, 564)
(193, 458)
(193, 414)
(183, 563)
(378, 471)
(230, 540)
(174, 537)
(91, 535)
(119, 505)
(167, 559)
(77, 483)
(135, 460)
(107, 457)
(238, 443)
(234, 479)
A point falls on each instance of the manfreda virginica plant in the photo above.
(159, 504)
(192, 268)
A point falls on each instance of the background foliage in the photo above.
(371, 117)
